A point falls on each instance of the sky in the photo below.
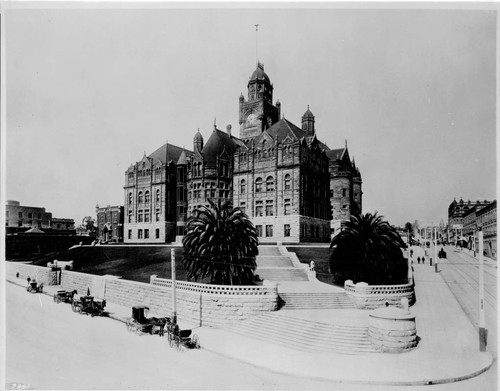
(90, 90)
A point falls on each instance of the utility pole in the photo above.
(174, 307)
(435, 249)
(483, 333)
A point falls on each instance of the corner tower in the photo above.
(258, 112)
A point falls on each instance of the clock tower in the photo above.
(258, 112)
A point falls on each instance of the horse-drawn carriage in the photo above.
(179, 338)
(141, 324)
(34, 287)
(64, 296)
(89, 305)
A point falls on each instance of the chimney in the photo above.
(228, 127)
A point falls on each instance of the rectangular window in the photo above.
(139, 234)
(20, 223)
(269, 208)
(146, 215)
(130, 216)
(139, 217)
(146, 234)
(243, 206)
(130, 234)
(30, 215)
(258, 208)
(286, 229)
(344, 192)
(20, 215)
(258, 228)
(269, 231)
(287, 206)
(157, 214)
(157, 233)
(39, 216)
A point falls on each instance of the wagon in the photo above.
(179, 338)
(34, 287)
(141, 324)
(88, 305)
(64, 296)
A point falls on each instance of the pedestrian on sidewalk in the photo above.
(418, 260)
(423, 260)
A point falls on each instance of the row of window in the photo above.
(144, 233)
(144, 197)
(20, 215)
(269, 185)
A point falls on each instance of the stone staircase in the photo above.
(314, 300)
(273, 266)
(305, 335)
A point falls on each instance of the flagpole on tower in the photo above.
(256, 44)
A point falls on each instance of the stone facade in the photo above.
(290, 184)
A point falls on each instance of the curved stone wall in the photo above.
(392, 329)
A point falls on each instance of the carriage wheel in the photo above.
(138, 330)
(195, 341)
(75, 307)
(55, 298)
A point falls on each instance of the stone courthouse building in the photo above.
(290, 184)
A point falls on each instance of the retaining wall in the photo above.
(198, 304)
(40, 273)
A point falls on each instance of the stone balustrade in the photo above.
(366, 296)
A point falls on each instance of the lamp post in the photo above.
(174, 307)
(483, 334)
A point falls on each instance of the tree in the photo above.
(220, 245)
(368, 250)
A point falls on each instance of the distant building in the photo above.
(456, 213)
(110, 223)
(20, 218)
(487, 219)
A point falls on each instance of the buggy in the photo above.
(179, 338)
(140, 324)
(64, 296)
(88, 305)
(34, 287)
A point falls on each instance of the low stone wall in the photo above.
(216, 305)
(41, 274)
(82, 282)
(366, 296)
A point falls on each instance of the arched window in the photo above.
(139, 197)
(157, 195)
(130, 198)
(146, 196)
(243, 187)
(258, 185)
(270, 183)
(288, 185)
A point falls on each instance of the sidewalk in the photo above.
(448, 350)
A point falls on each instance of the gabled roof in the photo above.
(283, 128)
(336, 154)
(170, 152)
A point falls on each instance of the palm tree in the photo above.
(220, 245)
(369, 250)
